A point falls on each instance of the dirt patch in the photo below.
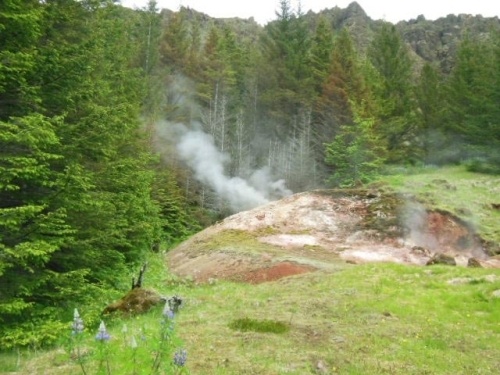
(275, 272)
(236, 267)
(216, 265)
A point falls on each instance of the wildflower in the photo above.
(77, 326)
(167, 311)
(124, 329)
(102, 333)
(180, 357)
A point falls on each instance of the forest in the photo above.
(123, 132)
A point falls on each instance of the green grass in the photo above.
(366, 319)
(370, 319)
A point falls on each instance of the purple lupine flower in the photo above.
(180, 357)
(77, 326)
(167, 311)
(102, 333)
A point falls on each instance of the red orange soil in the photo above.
(275, 272)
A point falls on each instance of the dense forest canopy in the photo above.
(122, 130)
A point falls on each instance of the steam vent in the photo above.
(317, 230)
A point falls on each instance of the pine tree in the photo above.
(343, 90)
(76, 177)
(286, 76)
(343, 86)
(321, 52)
(391, 60)
(175, 42)
(430, 100)
(356, 154)
(20, 29)
(474, 92)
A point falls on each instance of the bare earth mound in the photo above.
(320, 229)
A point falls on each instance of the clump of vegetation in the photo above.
(483, 165)
(385, 215)
(262, 326)
(135, 350)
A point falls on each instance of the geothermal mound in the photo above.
(321, 229)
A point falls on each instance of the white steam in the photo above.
(198, 150)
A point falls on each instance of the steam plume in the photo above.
(198, 150)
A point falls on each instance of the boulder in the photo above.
(441, 258)
(474, 263)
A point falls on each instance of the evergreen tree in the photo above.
(343, 90)
(320, 56)
(474, 92)
(343, 87)
(76, 180)
(286, 78)
(430, 115)
(33, 223)
(20, 29)
(175, 42)
(356, 154)
(391, 60)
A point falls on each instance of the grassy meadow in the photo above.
(362, 319)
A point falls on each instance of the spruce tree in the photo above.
(390, 58)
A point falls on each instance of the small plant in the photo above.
(168, 341)
(76, 340)
(105, 354)
(263, 326)
(102, 338)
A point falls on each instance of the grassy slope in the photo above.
(364, 319)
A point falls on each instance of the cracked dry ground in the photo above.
(321, 229)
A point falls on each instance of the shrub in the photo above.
(264, 326)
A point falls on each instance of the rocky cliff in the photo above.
(431, 41)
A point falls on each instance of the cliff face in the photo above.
(437, 41)
(431, 41)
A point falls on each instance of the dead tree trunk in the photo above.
(138, 283)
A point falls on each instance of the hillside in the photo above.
(327, 282)
(316, 152)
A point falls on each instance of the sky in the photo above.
(393, 11)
